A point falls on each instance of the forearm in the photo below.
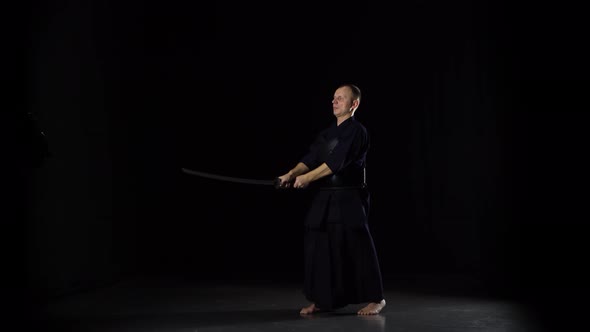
(318, 173)
(299, 169)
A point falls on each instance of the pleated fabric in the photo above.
(341, 266)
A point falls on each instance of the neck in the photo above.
(343, 118)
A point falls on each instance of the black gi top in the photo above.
(342, 197)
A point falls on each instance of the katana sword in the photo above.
(275, 183)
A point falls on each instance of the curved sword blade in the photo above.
(231, 178)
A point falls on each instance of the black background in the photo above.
(476, 113)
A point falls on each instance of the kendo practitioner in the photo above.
(341, 263)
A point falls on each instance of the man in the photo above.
(341, 265)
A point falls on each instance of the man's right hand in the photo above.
(285, 181)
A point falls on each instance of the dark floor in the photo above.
(165, 304)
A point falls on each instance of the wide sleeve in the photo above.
(311, 158)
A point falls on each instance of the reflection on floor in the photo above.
(169, 305)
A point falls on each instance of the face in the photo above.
(342, 104)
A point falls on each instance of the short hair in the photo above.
(356, 92)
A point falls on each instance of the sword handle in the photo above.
(277, 184)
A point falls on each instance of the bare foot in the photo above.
(372, 308)
(309, 310)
